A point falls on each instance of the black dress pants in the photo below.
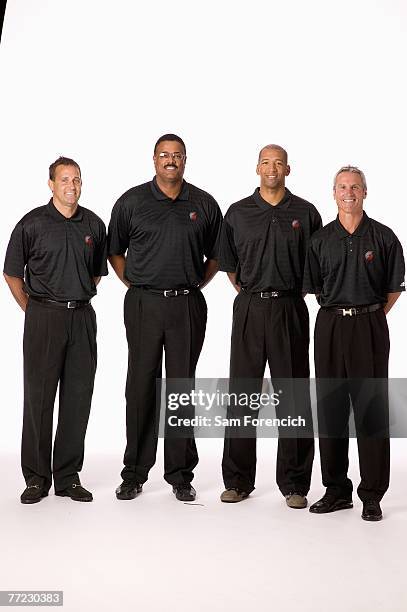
(354, 350)
(274, 330)
(154, 322)
(59, 347)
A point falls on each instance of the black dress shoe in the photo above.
(128, 489)
(33, 494)
(372, 511)
(184, 492)
(330, 503)
(76, 492)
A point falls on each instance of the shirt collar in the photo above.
(54, 212)
(159, 195)
(282, 204)
(359, 231)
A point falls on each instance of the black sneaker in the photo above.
(33, 494)
(184, 492)
(128, 489)
(76, 492)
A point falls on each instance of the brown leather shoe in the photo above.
(296, 500)
(233, 495)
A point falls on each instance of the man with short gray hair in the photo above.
(355, 267)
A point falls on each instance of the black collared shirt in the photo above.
(166, 240)
(58, 257)
(266, 245)
(354, 269)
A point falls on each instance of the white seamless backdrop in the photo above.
(101, 81)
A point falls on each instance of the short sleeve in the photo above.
(316, 221)
(100, 252)
(228, 254)
(118, 233)
(313, 281)
(212, 236)
(17, 253)
(395, 268)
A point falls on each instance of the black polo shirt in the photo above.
(266, 245)
(166, 240)
(354, 269)
(58, 257)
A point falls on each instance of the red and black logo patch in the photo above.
(296, 224)
(89, 241)
(193, 216)
(369, 256)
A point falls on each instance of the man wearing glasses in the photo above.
(163, 245)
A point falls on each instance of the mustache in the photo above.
(170, 165)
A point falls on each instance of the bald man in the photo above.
(263, 249)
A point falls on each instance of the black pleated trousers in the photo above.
(274, 330)
(59, 347)
(153, 323)
(354, 350)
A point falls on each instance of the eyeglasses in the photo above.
(176, 156)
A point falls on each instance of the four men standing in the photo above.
(164, 241)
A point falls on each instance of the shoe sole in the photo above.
(128, 497)
(83, 499)
(33, 501)
(372, 518)
(233, 501)
(297, 507)
(346, 506)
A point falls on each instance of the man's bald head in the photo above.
(275, 147)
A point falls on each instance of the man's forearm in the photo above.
(118, 263)
(16, 286)
(391, 300)
(211, 267)
(232, 278)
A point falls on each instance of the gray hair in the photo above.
(353, 169)
(273, 146)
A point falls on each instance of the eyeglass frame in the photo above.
(177, 156)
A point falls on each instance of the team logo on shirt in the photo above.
(369, 256)
(193, 216)
(296, 224)
(89, 241)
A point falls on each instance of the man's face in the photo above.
(349, 192)
(272, 169)
(66, 186)
(169, 160)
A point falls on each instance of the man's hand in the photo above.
(118, 263)
(16, 286)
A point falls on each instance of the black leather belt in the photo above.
(167, 292)
(275, 294)
(70, 304)
(354, 310)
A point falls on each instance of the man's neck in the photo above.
(172, 189)
(272, 196)
(350, 221)
(66, 211)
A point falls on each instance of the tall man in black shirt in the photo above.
(355, 265)
(263, 248)
(167, 227)
(55, 258)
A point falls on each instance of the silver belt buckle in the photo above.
(274, 294)
(263, 294)
(73, 302)
(167, 292)
(350, 312)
